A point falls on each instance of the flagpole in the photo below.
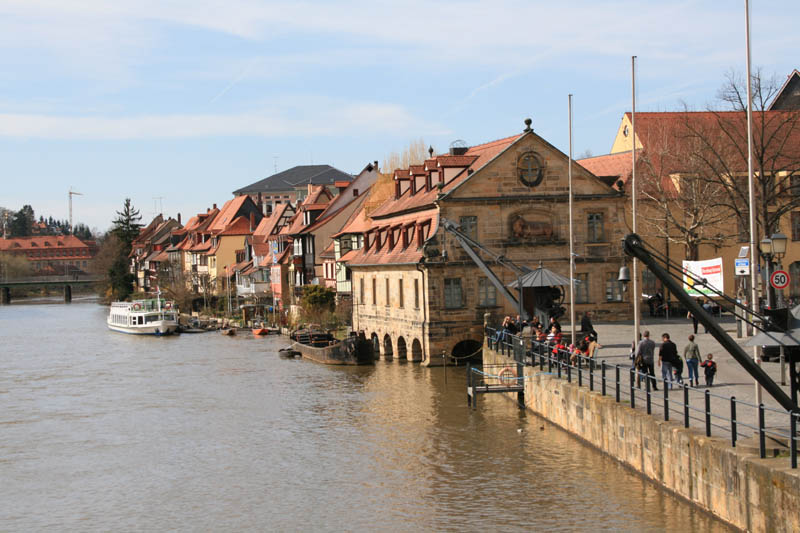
(751, 188)
(636, 295)
(571, 238)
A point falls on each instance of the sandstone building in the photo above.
(417, 293)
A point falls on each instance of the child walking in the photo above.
(710, 369)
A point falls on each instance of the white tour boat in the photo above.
(144, 317)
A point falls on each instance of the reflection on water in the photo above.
(104, 431)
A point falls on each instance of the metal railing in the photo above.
(691, 405)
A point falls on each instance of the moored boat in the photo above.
(322, 348)
(143, 317)
(228, 331)
(258, 332)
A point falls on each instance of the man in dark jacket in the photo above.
(586, 325)
(667, 359)
(644, 353)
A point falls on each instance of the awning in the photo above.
(541, 277)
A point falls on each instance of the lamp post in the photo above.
(772, 248)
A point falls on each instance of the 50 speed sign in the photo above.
(779, 279)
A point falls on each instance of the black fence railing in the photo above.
(691, 405)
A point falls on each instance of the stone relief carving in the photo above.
(531, 228)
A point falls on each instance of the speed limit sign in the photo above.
(779, 279)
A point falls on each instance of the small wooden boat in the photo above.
(228, 331)
(258, 332)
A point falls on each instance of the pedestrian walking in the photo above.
(645, 352)
(691, 353)
(693, 318)
(667, 356)
(710, 369)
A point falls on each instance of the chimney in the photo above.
(260, 204)
(179, 218)
(310, 189)
(252, 222)
(430, 152)
(215, 206)
(376, 166)
(396, 188)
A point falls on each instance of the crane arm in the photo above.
(634, 247)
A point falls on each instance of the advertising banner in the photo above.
(710, 270)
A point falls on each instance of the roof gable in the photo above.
(499, 175)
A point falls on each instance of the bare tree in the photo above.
(680, 204)
(414, 154)
(720, 151)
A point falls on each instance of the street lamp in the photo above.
(773, 247)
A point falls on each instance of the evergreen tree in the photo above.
(125, 229)
(126, 226)
(22, 222)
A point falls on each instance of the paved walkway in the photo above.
(731, 379)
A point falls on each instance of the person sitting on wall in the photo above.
(541, 336)
(586, 325)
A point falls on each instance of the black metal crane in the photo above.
(634, 246)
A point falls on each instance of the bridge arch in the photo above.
(388, 353)
(401, 349)
(416, 351)
(376, 345)
(467, 347)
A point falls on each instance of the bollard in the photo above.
(708, 413)
(733, 421)
(617, 383)
(633, 392)
(793, 438)
(603, 377)
(666, 403)
(647, 389)
(685, 405)
(762, 435)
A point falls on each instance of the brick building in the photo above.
(417, 293)
(52, 254)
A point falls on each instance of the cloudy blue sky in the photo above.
(189, 100)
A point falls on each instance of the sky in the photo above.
(176, 103)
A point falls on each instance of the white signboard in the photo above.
(710, 270)
(742, 267)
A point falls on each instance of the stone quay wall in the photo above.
(745, 491)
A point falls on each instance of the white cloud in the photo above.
(359, 118)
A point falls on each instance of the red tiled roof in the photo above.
(41, 242)
(455, 160)
(357, 223)
(613, 167)
(477, 156)
(677, 130)
(240, 226)
(262, 249)
(227, 214)
(397, 254)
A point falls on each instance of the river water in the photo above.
(105, 431)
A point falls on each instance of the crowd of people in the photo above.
(670, 362)
(586, 344)
(642, 354)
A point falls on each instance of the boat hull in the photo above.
(347, 352)
(156, 328)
